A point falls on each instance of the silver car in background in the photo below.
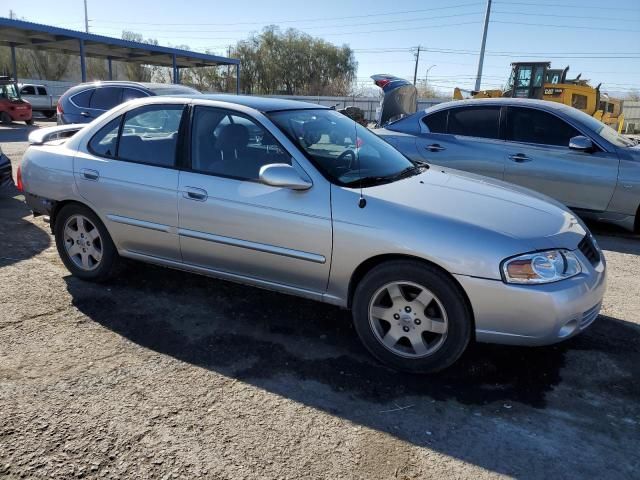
(545, 146)
(297, 198)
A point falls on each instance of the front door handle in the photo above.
(519, 157)
(193, 193)
(435, 147)
(90, 174)
(84, 114)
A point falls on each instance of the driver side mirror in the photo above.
(283, 175)
(581, 143)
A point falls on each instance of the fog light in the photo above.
(568, 328)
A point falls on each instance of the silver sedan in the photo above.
(297, 198)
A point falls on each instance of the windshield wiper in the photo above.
(417, 167)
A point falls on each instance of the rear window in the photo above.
(106, 98)
(83, 99)
(480, 122)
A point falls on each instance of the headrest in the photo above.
(233, 137)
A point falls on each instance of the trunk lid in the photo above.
(400, 98)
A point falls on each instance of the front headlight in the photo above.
(541, 267)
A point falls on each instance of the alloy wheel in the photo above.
(408, 319)
(82, 242)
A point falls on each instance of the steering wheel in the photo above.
(344, 154)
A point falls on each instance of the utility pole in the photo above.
(415, 71)
(484, 42)
(12, 15)
(86, 18)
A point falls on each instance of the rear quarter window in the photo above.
(83, 99)
(437, 121)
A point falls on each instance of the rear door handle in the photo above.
(84, 114)
(193, 193)
(519, 157)
(434, 147)
(90, 174)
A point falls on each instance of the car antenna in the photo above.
(362, 202)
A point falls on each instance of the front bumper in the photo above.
(536, 314)
(6, 176)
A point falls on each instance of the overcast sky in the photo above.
(384, 33)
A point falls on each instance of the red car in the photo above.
(12, 107)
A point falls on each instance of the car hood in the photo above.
(489, 205)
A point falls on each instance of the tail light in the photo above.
(383, 82)
(19, 185)
(59, 108)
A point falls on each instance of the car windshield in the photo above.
(346, 152)
(8, 90)
(605, 131)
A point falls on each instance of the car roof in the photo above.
(500, 101)
(262, 104)
(158, 88)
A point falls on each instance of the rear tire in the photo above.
(412, 316)
(49, 114)
(29, 122)
(84, 244)
(5, 118)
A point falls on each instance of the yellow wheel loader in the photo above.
(539, 80)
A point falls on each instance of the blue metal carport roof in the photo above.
(21, 34)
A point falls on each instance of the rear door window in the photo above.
(131, 93)
(150, 135)
(105, 98)
(42, 91)
(480, 122)
(83, 99)
(437, 122)
(535, 126)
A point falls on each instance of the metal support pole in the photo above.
(175, 70)
(14, 63)
(237, 79)
(110, 68)
(83, 63)
(86, 18)
(484, 42)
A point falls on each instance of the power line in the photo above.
(316, 26)
(304, 20)
(422, 27)
(565, 5)
(555, 15)
(566, 27)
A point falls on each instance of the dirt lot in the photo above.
(163, 374)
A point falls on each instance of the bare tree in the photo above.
(633, 95)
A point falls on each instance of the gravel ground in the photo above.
(164, 374)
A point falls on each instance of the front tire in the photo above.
(412, 316)
(84, 244)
